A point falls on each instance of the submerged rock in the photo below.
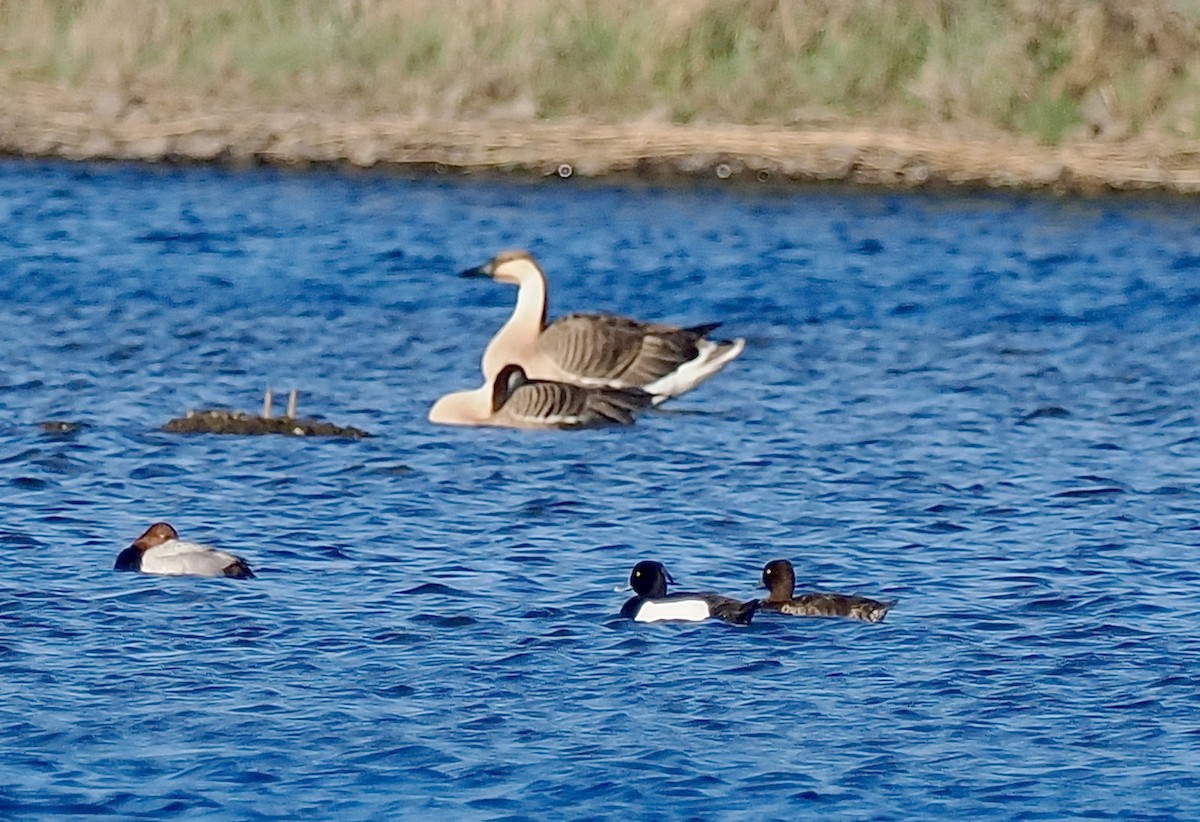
(62, 428)
(224, 421)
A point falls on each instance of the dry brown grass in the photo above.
(1046, 68)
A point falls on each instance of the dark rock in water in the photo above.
(223, 421)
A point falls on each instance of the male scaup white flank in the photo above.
(596, 349)
(779, 578)
(515, 401)
(161, 551)
(653, 604)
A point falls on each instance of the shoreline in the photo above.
(52, 122)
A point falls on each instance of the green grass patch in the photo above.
(1007, 63)
(1048, 118)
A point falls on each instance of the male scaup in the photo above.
(779, 578)
(161, 551)
(653, 604)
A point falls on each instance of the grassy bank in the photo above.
(1055, 69)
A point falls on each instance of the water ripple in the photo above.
(973, 404)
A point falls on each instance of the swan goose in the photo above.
(596, 349)
(512, 400)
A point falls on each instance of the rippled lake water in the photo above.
(983, 406)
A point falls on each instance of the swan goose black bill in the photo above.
(512, 400)
(652, 603)
(596, 349)
(779, 578)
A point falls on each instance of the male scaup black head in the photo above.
(652, 603)
(160, 551)
(779, 578)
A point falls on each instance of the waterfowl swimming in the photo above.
(512, 400)
(652, 603)
(161, 551)
(779, 578)
(596, 349)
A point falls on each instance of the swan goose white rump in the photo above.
(596, 349)
(512, 400)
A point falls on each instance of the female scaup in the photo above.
(779, 578)
(653, 604)
(161, 551)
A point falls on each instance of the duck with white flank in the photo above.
(161, 551)
(779, 578)
(596, 349)
(653, 604)
(515, 401)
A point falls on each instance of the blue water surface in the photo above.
(983, 406)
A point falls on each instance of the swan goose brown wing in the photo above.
(605, 349)
(512, 400)
(550, 404)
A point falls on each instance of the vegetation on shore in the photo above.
(1052, 69)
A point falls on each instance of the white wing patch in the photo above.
(677, 610)
(709, 361)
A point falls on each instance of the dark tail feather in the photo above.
(238, 570)
(703, 330)
(739, 613)
(619, 404)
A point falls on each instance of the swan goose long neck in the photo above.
(517, 339)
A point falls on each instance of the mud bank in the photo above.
(52, 122)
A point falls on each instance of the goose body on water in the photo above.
(652, 603)
(160, 551)
(596, 349)
(779, 578)
(512, 400)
